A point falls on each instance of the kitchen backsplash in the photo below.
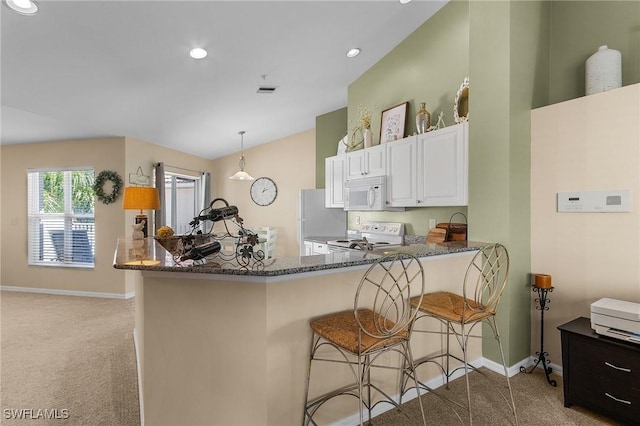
(416, 220)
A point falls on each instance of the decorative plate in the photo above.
(461, 103)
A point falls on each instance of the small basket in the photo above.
(455, 231)
(169, 243)
(186, 242)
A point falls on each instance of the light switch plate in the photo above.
(614, 201)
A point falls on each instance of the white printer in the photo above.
(616, 318)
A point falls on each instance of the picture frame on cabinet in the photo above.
(392, 123)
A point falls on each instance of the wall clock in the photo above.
(263, 191)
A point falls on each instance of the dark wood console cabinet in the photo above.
(600, 373)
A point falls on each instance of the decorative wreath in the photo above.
(116, 186)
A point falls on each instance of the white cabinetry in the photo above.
(334, 169)
(430, 169)
(312, 247)
(402, 173)
(333, 254)
(308, 248)
(443, 166)
(320, 248)
(366, 162)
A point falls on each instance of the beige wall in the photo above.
(590, 143)
(144, 154)
(290, 162)
(123, 155)
(259, 378)
(101, 154)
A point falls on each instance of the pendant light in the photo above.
(241, 174)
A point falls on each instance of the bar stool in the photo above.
(484, 282)
(380, 322)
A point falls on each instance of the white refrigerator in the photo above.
(315, 220)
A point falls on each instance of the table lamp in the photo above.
(141, 198)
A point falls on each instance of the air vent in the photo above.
(266, 89)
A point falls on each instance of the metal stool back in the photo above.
(484, 283)
(380, 322)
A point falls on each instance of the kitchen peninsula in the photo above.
(220, 345)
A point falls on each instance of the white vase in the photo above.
(368, 138)
(603, 71)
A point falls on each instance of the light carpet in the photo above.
(74, 356)
(67, 360)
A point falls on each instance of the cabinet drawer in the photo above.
(320, 248)
(600, 374)
(609, 395)
(601, 365)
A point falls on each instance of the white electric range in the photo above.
(373, 235)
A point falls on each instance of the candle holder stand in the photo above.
(542, 355)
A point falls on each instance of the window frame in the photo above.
(36, 218)
(172, 199)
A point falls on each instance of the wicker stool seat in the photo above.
(380, 321)
(342, 329)
(451, 307)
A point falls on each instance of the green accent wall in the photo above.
(519, 55)
(508, 66)
(578, 28)
(330, 128)
(428, 66)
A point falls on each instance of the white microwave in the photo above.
(366, 194)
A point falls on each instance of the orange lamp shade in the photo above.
(140, 198)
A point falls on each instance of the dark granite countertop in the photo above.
(149, 255)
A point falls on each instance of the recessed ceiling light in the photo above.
(405, 1)
(198, 53)
(24, 7)
(352, 53)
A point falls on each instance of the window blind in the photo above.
(61, 219)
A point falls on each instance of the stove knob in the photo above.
(382, 228)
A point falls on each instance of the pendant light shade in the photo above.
(241, 174)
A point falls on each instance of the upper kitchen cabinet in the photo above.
(402, 173)
(366, 162)
(443, 170)
(334, 181)
(430, 169)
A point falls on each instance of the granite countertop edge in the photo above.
(305, 264)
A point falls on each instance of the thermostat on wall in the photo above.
(615, 201)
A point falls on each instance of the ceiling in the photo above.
(85, 69)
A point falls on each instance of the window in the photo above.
(182, 204)
(61, 220)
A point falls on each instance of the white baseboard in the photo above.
(434, 383)
(140, 398)
(67, 292)
(555, 368)
(437, 382)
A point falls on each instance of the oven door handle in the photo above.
(371, 196)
